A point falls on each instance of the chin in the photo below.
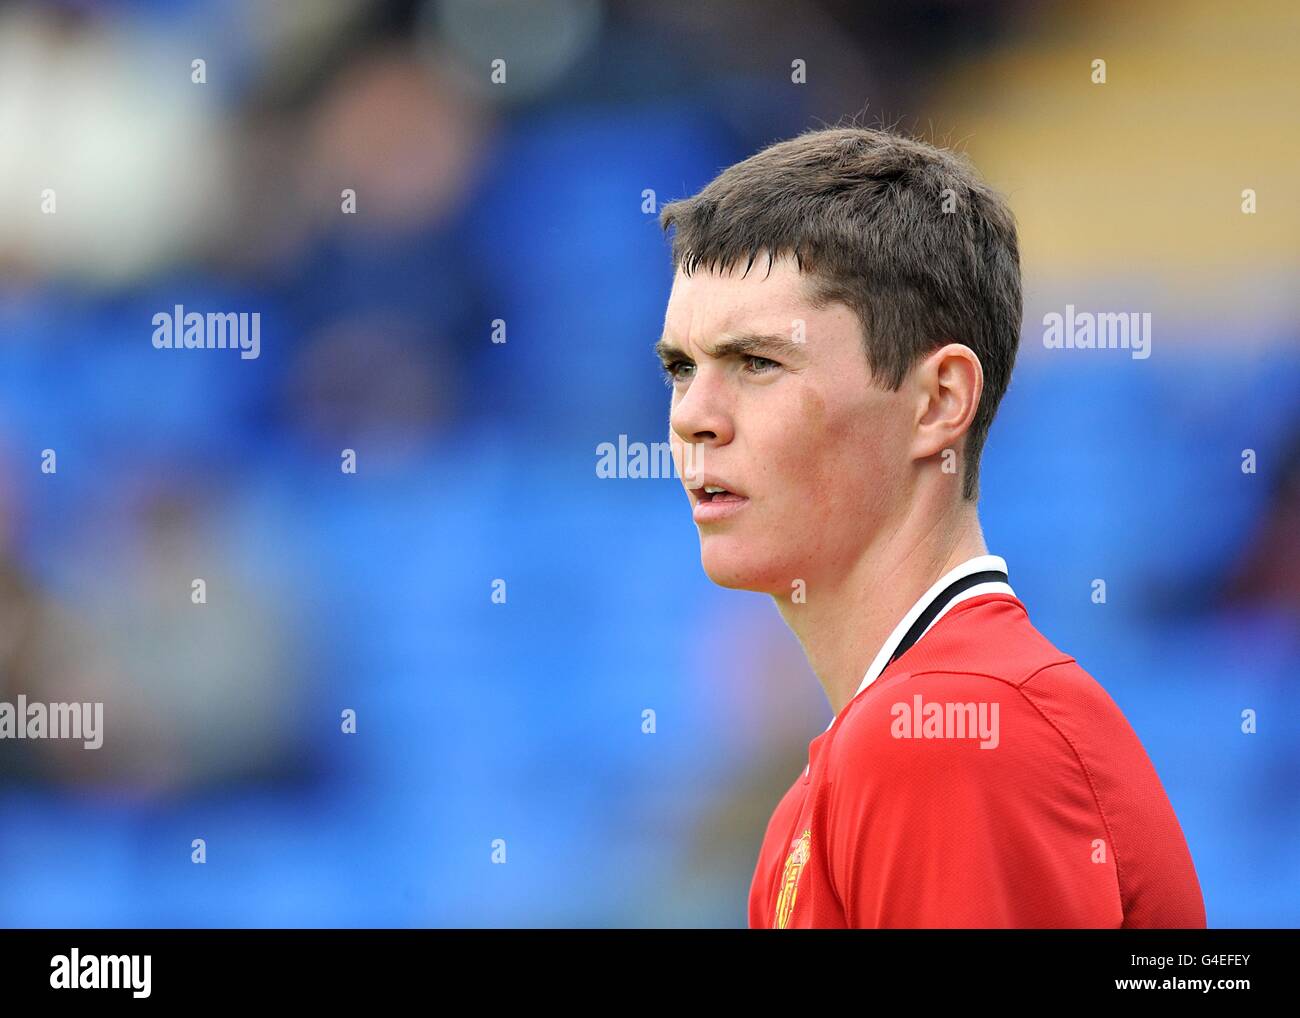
(730, 563)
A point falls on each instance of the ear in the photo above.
(947, 384)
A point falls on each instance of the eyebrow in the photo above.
(736, 346)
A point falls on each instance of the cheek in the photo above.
(823, 457)
(845, 455)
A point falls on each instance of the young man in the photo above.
(828, 413)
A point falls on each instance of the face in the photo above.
(811, 454)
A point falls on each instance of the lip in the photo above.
(712, 511)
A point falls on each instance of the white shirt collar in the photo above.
(978, 564)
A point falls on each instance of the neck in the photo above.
(847, 616)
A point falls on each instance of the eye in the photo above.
(672, 371)
(759, 365)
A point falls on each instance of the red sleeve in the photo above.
(941, 832)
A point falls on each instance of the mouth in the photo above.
(715, 501)
(715, 493)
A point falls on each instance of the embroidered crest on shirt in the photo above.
(794, 863)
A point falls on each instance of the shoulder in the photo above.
(983, 706)
(983, 696)
(939, 722)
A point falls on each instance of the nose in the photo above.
(702, 415)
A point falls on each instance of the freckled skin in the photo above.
(813, 407)
(820, 451)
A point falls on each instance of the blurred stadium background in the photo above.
(524, 202)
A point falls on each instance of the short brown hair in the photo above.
(903, 233)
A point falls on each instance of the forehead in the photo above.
(734, 300)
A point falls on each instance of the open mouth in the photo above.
(713, 493)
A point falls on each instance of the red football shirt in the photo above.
(983, 779)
